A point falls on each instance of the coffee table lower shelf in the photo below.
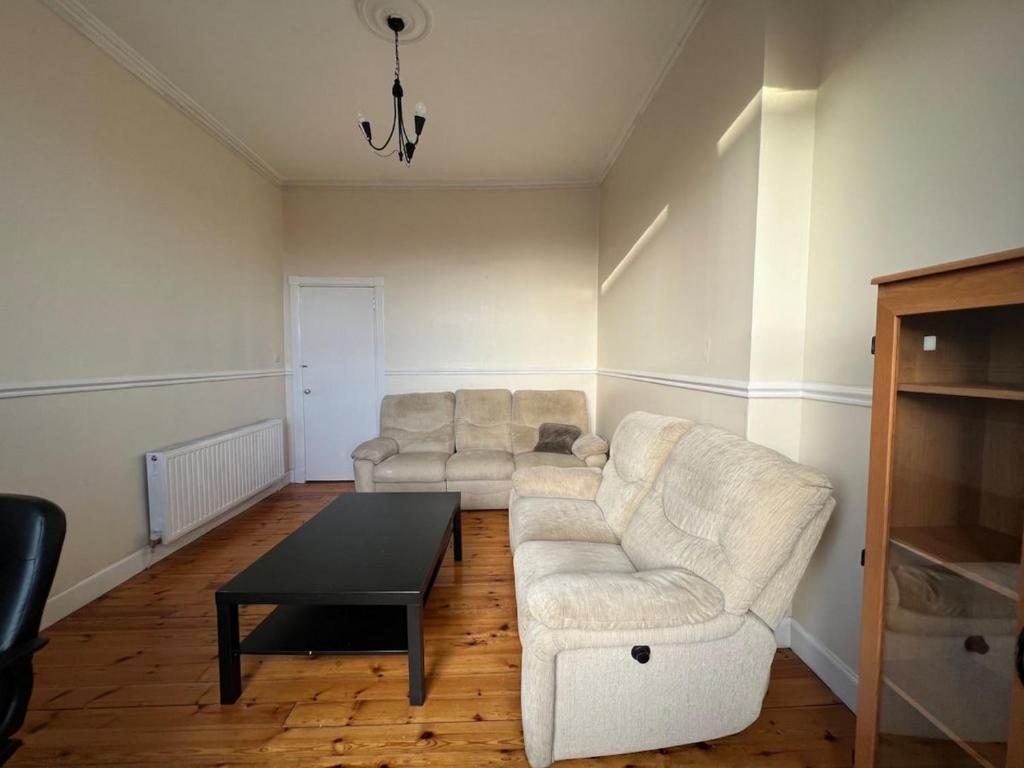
(323, 630)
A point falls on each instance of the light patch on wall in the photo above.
(786, 100)
(638, 246)
(739, 126)
(769, 98)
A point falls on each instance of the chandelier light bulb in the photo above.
(360, 118)
(421, 109)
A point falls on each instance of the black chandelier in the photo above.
(406, 146)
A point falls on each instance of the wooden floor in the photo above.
(131, 679)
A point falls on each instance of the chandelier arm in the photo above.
(406, 142)
(403, 137)
(394, 122)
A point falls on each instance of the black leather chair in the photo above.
(31, 537)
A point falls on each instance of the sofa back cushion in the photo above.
(533, 407)
(639, 447)
(733, 513)
(422, 421)
(482, 420)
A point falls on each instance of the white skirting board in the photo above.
(88, 589)
(783, 633)
(835, 673)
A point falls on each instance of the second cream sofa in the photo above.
(471, 441)
(647, 594)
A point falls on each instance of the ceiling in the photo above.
(519, 92)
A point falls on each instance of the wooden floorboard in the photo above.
(131, 679)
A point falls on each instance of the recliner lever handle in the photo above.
(642, 653)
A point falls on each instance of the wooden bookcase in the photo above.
(941, 674)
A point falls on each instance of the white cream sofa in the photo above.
(647, 610)
(470, 441)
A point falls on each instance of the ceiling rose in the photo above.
(374, 14)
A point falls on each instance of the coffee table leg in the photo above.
(457, 534)
(227, 650)
(414, 627)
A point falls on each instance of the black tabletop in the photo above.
(361, 548)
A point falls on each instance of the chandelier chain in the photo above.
(398, 64)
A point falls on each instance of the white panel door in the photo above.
(337, 365)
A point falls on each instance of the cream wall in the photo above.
(918, 160)
(132, 244)
(677, 229)
(481, 286)
(785, 162)
(885, 137)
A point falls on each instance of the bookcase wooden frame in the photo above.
(995, 280)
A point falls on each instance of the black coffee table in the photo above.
(352, 580)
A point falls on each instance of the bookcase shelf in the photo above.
(917, 684)
(964, 550)
(994, 391)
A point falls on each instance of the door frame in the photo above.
(295, 409)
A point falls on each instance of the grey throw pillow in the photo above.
(556, 438)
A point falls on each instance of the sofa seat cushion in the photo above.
(533, 560)
(533, 518)
(416, 467)
(670, 597)
(480, 465)
(540, 459)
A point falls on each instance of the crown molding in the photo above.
(85, 22)
(666, 67)
(482, 184)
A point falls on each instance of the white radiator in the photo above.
(192, 483)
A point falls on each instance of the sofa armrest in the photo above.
(376, 450)
(557, 482)
(589, 445)
(656, 599)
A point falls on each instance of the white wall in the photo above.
(918, 160)
(132, 244)
(678, 218)
(482, 288)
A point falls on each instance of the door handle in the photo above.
(1020, 657)
(306, 391)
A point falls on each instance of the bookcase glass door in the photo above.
(952, 612)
